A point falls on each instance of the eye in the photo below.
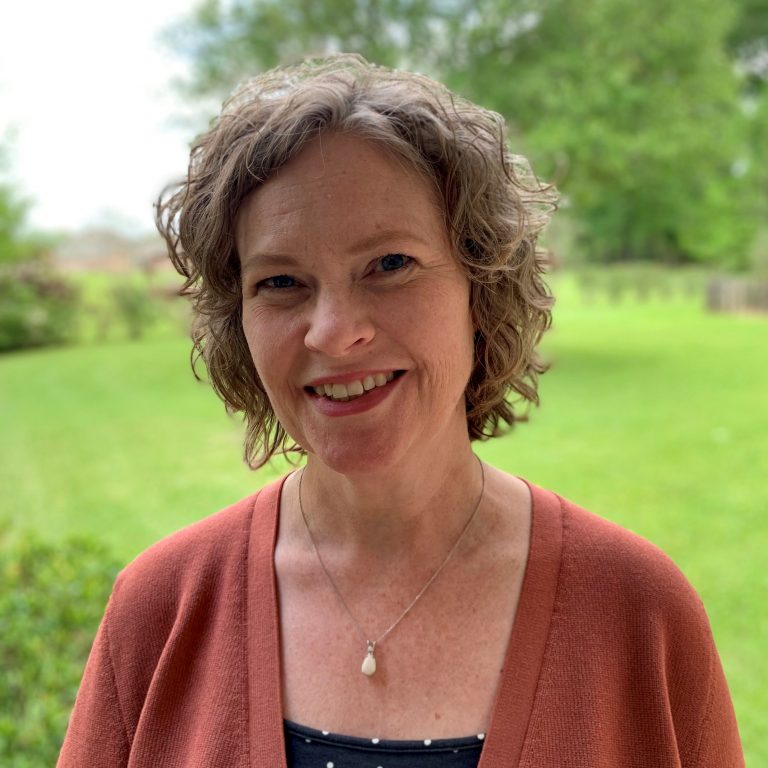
(393, 262)
(276, 283)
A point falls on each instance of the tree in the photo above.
(37, 308)
(15, 243)
(748, 43)
(228, 41)
(635, 109)
(748, 40)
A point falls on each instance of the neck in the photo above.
(401, 511)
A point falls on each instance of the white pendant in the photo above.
(369, 665)
(369, 662)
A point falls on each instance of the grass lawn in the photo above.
(654, 414)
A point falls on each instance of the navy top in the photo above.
(308, 748)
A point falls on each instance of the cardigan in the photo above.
(610, 660)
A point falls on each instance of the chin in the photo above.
(358, 457)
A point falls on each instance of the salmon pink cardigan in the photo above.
(610, 663)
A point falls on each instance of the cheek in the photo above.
(458, 343)
(444, 336)
(267, 334)
(265, 351)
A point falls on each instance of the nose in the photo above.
(339, 322)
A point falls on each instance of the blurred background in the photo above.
(652, 120)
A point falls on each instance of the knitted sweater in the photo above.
(610, 663)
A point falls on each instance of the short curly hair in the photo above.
(494, 209)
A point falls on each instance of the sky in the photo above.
(88, 115)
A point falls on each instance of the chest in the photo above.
(437, 671)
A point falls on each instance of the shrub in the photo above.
(51, 601)
(37, 307)
(134, 304)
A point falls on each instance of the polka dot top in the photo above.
(308, 748)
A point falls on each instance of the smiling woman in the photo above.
(360, 248)
(490, 220)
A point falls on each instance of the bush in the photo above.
(37, 308)
(134, 305)
(51, 601)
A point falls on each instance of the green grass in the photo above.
(654, 414)
(115, 440)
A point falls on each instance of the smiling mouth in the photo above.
(354, 389)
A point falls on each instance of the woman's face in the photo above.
(355, 310)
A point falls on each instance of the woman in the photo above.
(361, 252)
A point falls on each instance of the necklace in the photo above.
(368, 667)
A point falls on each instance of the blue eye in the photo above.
(393, 261)
(277, 282)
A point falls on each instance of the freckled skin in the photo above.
(343, 309)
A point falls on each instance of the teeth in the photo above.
(354, 389)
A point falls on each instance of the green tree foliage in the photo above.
(748, 38)
(37, 307)
(51, 600)
(227, 41)
(13, 247)
(635, 109)
(749, 45)
(15, 243)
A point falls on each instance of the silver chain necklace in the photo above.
(368, 667)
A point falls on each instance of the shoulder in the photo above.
(193, 576)
(192, 553)
(615, 564)
(626, 600)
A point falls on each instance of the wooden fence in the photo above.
(733, 294)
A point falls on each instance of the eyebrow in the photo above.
(268, 260)
(379, 238)
(370, 242)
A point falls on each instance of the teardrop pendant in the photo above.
(369, 662)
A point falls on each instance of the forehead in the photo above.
(340, 156)
(338, 188)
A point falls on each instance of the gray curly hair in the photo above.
(494, 209)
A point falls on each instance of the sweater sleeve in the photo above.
(96, 736)
(719, 744)
(701, 706)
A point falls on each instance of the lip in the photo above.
(345, 378)
(360, 404)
